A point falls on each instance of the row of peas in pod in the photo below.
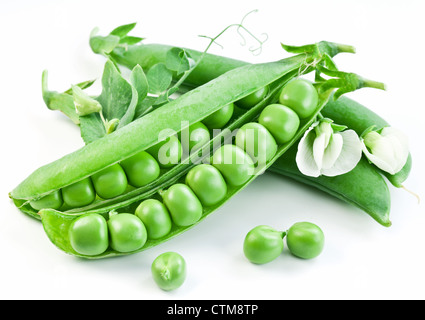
(182, 204)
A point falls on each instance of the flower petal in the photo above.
(400, 144)
(332, 151)
(350, 155)
(304, 158)
(319, 145)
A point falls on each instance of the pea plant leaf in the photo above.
(178, 60)
(92, 127)
(159, 78)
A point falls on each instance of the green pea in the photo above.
(167, 152)
(183, 205)
(110, 182)
(301, 96)
(234, 164)
(127, 232)
(281, 121)
(207, 183)
(51, 201)
(79, 194)
(197, 135)
(169, 271)
(305, 240)
(88, 234)
(141, 169)
(155, 217)
(252, 99)
(257, 141)
(263, 244)
(220, 118)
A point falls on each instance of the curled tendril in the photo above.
(240, 26)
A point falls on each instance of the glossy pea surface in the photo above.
(305, 240)
(127, 232)
(79, 194)
(110, 182)
(88, 234)
(207, 183)
(220, 118)
(51, 201)
(169, 271)
(263, 244)
(196, 136)
(235, 165)
(141, 169)
(257, 141)
(167, 152)
(281, 121)
(183, 205)
(252, 99)
(301, 96)
(155, 217)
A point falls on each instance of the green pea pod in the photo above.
(57, 224)
(134, 138)
(348, 112)
(343, 110)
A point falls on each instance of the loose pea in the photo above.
(183, 205)
(169, 271)
(141, 169)
(234, 164)
(301, 96)
(88, 234)
(218, 119)
(51, 201)
(79, 194)
(155, 217)
(305, 240)
(257, 141)
(110, 182)
(167, 152)
(252, 99)
(263, 244)
(127, 232)
(281, 121)
(207, 183)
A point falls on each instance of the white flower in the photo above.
(326, 150)
(388, 150)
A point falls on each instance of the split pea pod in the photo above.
(373, 197)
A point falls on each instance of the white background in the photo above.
(361, 260)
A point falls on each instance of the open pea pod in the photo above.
(58, 224)
(143, 133)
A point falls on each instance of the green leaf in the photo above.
(92, 128)
(177, 60)
(123, 30)
(140, 83)
(129, 40)
(104, 45)
(116, 93)
(159, 78)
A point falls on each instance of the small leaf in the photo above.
(177, 60)
(92, 128)
(104, 45)
(159, 78)
(129, 40)
(123, 30)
